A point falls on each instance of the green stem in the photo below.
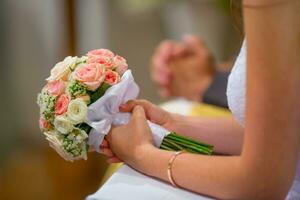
(166, 148)
(188, 144)
(173, 134)
(173, 144)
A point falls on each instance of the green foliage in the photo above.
(99, 92)
(75, 143)
(85, 127)
(76, 89)
(47, 105)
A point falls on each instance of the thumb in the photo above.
(138, 114)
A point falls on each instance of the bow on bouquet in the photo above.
(81, 100)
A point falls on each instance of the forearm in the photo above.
(217, 176)
(223, 132)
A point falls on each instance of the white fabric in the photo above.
(128, 184)
(236, 91)
(179, 105)
(105, 112)
(236, 86)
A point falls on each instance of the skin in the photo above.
(184, 68)
(266, 166)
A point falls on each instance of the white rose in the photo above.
(77, 111)
(63, 124)
(62, 69)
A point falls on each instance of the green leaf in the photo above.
(85, 127)
(99, 92)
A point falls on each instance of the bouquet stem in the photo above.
(175, 142)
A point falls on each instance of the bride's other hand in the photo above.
(153, 112)
(130, 142)
(110, 156)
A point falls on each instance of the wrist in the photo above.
(144, 158)
(173, 121)
(154, 162)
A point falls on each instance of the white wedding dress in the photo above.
(236, 100)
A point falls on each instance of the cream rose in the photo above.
(63, 125)
(62, 69)
(77, 111)
(91, 75)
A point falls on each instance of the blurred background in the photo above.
(36, 34)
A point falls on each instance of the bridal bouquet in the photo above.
(81, 100)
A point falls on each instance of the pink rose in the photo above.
(91, 75)
(102, 60)
(112, 77)
(120, 64)
(44, 124)
(101, 52)
(61, 105)
(56, 87)
(101, 56)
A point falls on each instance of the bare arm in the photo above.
(266, 167)
(223, 132)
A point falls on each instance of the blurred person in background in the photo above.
(188, 69)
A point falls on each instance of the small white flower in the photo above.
(55, 141)
(77, 111)
(80, 135)
(63, 124)
(62, 69)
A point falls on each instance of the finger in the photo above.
(161, 76)
(107, 152)
(138, 115)
(113, 160)
(195, 43)
(165, 48)
(179, 50)
(104, 143)
(129, 105)
(160, 70)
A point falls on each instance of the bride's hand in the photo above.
(153, 113)
(129, 142)
(110, 156)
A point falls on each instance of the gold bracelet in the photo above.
(262, 5)
(170, 164)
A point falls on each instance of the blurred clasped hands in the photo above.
(182, 68)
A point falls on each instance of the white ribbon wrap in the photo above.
(105, 112)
